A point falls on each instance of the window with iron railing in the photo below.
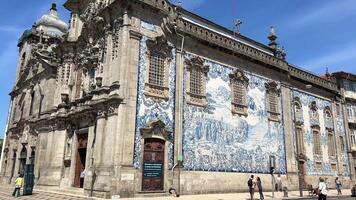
(156, 70)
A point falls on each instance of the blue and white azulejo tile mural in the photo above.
(149, 110)
(308, 121)
(216, 140)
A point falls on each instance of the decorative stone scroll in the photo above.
(156, 129)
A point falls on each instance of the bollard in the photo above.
(285, 192)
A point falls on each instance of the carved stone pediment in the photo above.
(239, 75)
(156, 129)
(197, 61)
(272, 86)
(160, 46)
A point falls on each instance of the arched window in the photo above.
(239, 84)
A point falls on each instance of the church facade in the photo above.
(143, 96)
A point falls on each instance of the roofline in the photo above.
(224, 29)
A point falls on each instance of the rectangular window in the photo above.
(273, 104)
(342, 143)
(300, 136)
(196, 81)
(316, 141)
(331, 146)
(353, 137)
(239, 92)
(334, 167)
(338, 109)
(156, 71)
(318, 166)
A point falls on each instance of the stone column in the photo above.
(289, 133)
(127, 111)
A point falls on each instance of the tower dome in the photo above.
(50, 24)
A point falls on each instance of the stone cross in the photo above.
(238, 23)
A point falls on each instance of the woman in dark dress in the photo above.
(260, 190)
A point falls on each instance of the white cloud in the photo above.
(331, 12)
(345, 54)
(189, 4)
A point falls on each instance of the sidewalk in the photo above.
(246, 196)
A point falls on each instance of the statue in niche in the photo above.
(69, 146)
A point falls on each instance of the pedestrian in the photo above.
(251, 186)
(279, 183)
(18, 186)
(338, 186)
(322, 189)
(260, 190)
(82, 175)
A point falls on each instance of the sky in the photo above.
(316, 34)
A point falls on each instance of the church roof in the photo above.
(50, 24)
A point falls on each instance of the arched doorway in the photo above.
(153, 165)
(22, 159)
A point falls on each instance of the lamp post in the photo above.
(272, 165)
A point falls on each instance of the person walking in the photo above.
(18, 186)
(338, 186)
(251, 186)
(323, 192)
(279, 183)
(260, 190)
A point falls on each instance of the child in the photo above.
(18, 185)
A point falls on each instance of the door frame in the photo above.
(78, 134)
(156, 130)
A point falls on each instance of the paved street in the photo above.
(6, 191)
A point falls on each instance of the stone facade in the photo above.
(143, 95)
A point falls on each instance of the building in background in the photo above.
(133, 89)
(347, 84)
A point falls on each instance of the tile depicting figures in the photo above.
(319, 120)
(149, 110)
(215, 139)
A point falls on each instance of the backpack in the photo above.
(249, 182)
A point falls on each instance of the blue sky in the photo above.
(316, 34)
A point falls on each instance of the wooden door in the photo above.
(153, 165)
(81, 157)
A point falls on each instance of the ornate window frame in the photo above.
(274, 92)
(196, 63)
(160, 49)
(239, 77)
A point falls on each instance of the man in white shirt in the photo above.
(323, 192)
